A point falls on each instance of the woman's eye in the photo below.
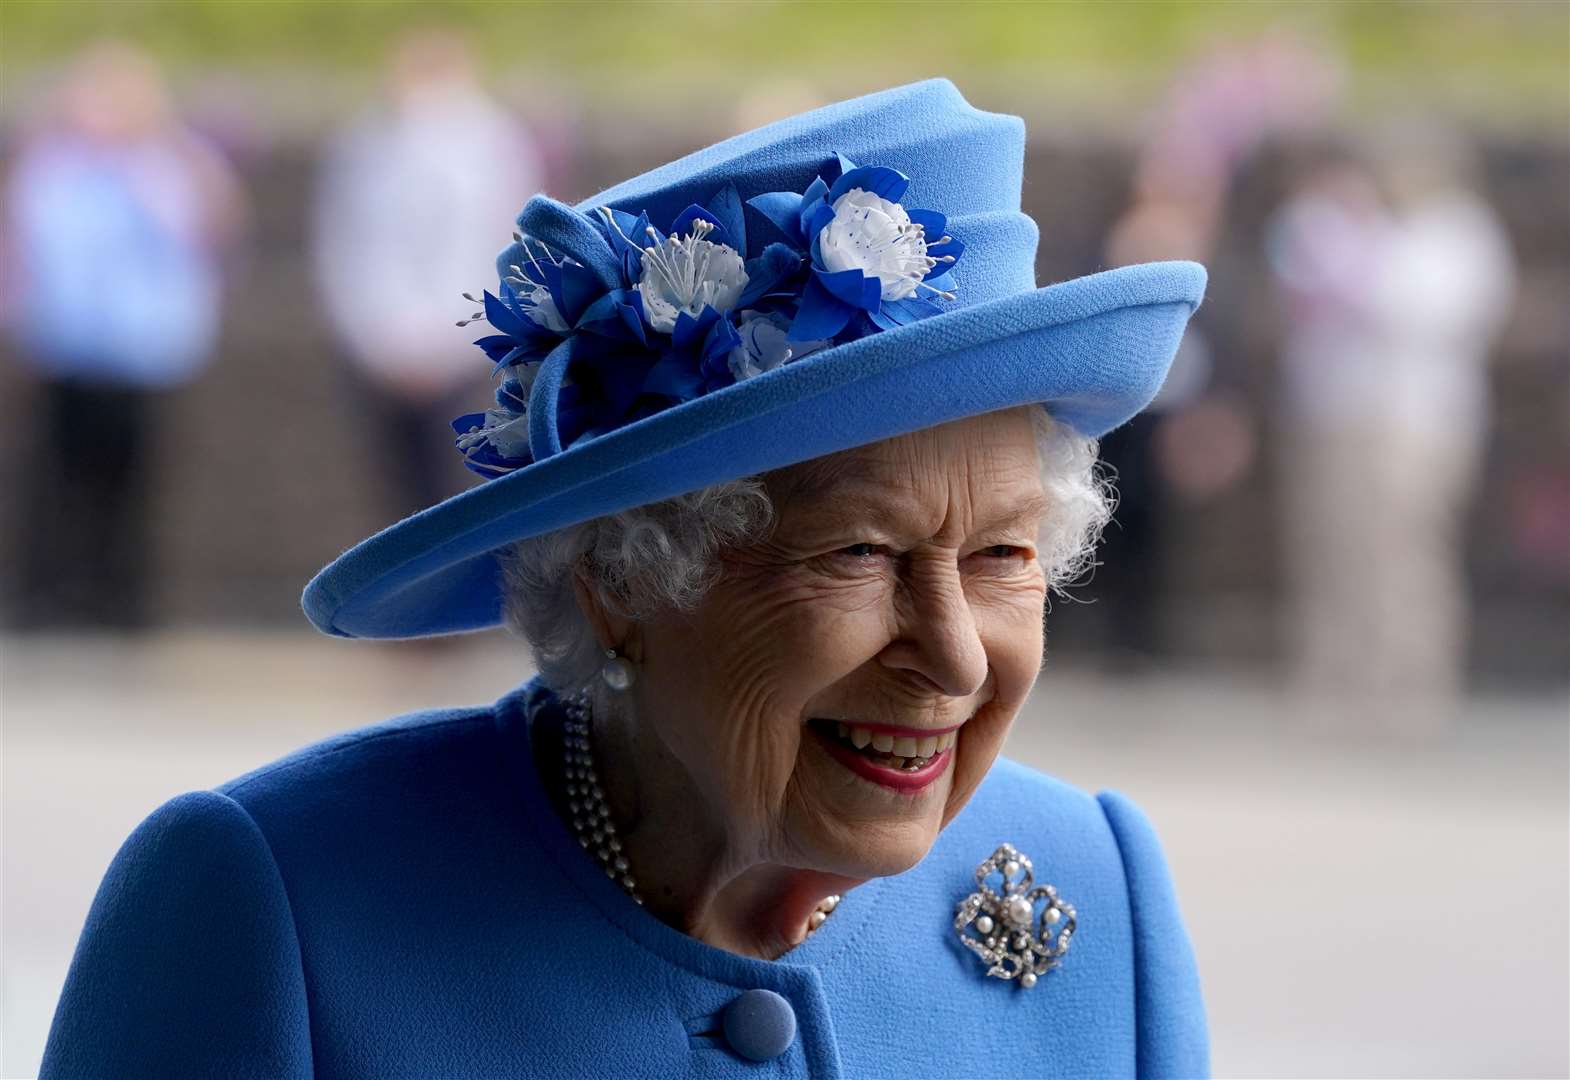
(1001, 559)
(1000, 551)
(861, 551)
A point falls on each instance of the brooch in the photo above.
(1001, 925)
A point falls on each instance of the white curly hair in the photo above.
(664, 555)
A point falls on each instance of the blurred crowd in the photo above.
(1390, 274)
(118, 217)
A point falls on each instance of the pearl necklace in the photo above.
(591, 815)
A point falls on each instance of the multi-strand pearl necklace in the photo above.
(591, 815)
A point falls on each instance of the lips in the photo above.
(903, 759)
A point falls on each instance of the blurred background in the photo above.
(1328, 649)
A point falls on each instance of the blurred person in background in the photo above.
(1197, 439)
(414, 187)
(116, 214)
(1395, 279)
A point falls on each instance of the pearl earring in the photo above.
(618, 671)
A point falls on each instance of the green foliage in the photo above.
(1511, 54)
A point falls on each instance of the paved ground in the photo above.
(1362, 905)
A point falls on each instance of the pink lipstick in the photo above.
(904, 781)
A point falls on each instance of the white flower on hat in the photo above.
(507, 433)
(871, 234)
(538, 304)
(763, 346)
(689, 273)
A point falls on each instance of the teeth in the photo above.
(908, 751)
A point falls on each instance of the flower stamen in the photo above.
(877, 237)
(687, 274)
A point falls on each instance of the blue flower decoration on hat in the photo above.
(651, 319)
(869, 254)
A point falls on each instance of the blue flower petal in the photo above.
(714, 355)
(579, 288)
(484, 462)
(944, 280)
(683, 223)
(675, 376)
(909, 310)
(783, 208)
(508, 321)
(509, 296)
(620, 229)
(521, 355)
(510, 396)
(688, 330)
(468, 422)
(821, 315)
(810, 201)
(882, 321)
(609, 317)
(821, 215)
(718, 343)
(497, 346)
(626, 235)
(852, 287)
(890, 184)
(725, 208)
(932, 223)
(632, 313)
(840, 165)
(952, 248)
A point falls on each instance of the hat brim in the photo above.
(1093, 351)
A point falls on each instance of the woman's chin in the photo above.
(890, 851)
(860, 844)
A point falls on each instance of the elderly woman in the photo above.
(788, 452)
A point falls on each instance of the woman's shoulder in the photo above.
(357, 857)
(439, 782)
(369, 754)
(420, 799)
(1016, 792)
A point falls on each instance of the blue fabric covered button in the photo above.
(760, 1025)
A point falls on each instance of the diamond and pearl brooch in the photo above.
(1020, 929)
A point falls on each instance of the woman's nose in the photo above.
(938, 639)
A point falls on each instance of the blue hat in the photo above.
(844, 276)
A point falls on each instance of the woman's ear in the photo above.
(611, 629)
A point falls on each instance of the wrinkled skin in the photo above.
(900, 585)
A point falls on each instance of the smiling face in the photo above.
(899, 594)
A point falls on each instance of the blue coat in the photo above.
(402, 901)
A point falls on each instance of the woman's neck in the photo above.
(691, 874)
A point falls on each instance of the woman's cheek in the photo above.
(820, 626)
(980, 742)
(1009, 617)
